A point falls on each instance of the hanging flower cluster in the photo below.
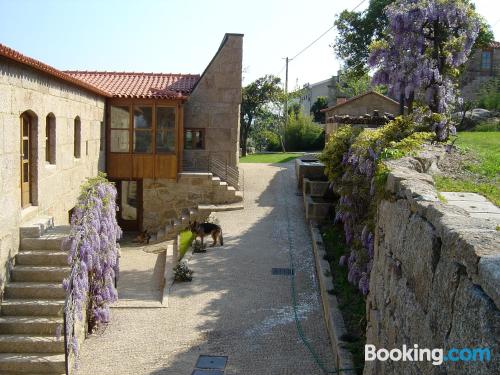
(93, 256)
(426, 42)
(354, 164)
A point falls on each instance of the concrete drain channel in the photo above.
(210, 365)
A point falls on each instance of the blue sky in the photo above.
(181, 36)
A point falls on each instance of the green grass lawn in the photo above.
(272, 157)
(486, 147)
(187, 238)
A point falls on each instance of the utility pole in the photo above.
(286, 104)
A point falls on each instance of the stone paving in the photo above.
(234, 306)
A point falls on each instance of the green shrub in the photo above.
(302, 134)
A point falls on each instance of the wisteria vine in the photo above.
(425, 44)
(93, 256)
(354, 164)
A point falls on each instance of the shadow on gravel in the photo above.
(251, 321)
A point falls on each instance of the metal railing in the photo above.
(218, 167)
(225, 172)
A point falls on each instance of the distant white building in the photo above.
(326, 88)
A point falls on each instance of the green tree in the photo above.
(320, 103)
(356, 31)
(256, 97)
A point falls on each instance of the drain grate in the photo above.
(207, 372)
(282, 271)
(211, 362)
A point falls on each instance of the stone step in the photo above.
(25, 290)
(32, 363)
(39, 273)
(34, 325)
(32, 307)
(215, 179)
(223, 183)
(45, 242)
(36, 227)
(42, 258)
(220, 207)
(31, 344)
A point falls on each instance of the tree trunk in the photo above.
(411, 99)
(243, 145)
(402, 104)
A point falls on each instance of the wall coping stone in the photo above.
(475, 240)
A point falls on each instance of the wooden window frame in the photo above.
(77, 138)
(50, 139)
(131, 105)
(174, 132)
(203, 138)
(151, 130)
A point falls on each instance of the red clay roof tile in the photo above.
(140, 85)
(495, 44)
(38, 65)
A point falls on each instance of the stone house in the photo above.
(483, 66)
(311, 92)
(361, 107)
(153, 134)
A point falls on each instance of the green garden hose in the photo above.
(293, 293)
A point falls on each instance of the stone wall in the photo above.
(164, 200)
(214, 105)
(473, 79)
(435, 279)
(58, 185)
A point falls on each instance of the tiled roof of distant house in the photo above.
(357, 98)
(140, 85)
(495, 44)
(40, 66)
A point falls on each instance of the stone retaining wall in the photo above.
(435, 279)
(165, 199)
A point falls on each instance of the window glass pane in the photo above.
(198, 139)
(142, 117)
(193, 140)
(120, 117)
(119, 141)
(188, 140)
(165, 129)
(142, 141)
(486, 60)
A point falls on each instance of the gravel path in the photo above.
(234, 306)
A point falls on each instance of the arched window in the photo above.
(78, 138)
(50, 139)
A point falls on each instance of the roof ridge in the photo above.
(17, 56)
(105, 72)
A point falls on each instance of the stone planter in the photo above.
(311, 169)
(315, 188)
(317, 208)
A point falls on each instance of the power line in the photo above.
(324, 33)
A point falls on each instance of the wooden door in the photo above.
(26, 125)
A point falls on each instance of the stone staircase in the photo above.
(31, 319)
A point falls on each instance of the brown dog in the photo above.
(203, 229)
(143, 237)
